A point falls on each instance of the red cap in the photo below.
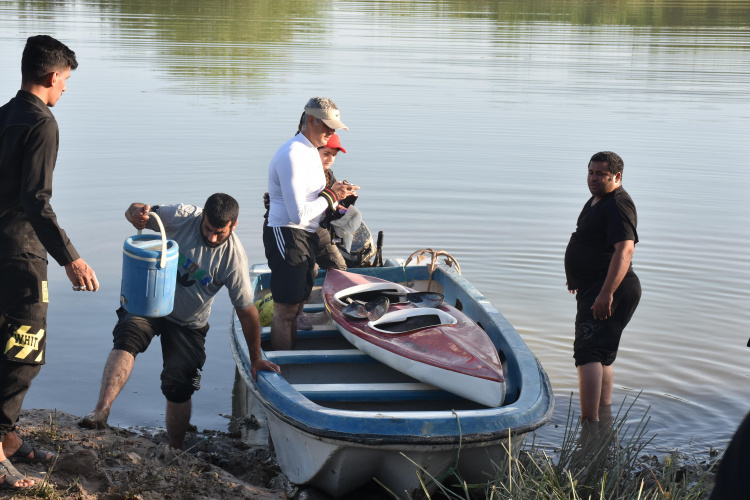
(335, 143)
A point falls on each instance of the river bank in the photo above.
(116, 464)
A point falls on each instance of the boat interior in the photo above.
(328, 370)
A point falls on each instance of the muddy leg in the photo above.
(178, 420)
(116, 373)
(284, 326)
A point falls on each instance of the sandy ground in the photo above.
(116, 464)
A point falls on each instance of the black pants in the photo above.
(23, 325)
(328, 255)
(732, 480)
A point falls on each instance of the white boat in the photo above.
(338, 418)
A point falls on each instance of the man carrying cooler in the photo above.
(210, 257)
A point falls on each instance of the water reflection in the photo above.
(235, 47)
(206, 48)
(218, 48)
(674, 13)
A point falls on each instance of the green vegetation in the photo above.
(49, 433)
(636, 13)
(234, 48)
(593, 463)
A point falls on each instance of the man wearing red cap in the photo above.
(328, 255)
(298, 198)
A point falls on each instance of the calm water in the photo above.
(471, 123)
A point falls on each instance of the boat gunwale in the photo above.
(529, 411)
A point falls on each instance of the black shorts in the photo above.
(291, 257)
(183, 350)
(598, 340)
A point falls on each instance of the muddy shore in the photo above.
(119, 464)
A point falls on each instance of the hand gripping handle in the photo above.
(163, 262)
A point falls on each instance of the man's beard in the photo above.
(211, 245)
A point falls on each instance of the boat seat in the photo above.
(402, 391)
(313, 308)
(302, 357)
(318, 332)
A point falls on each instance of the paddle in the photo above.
(419, 299)
(372, 310)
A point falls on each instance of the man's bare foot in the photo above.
(11, 478)
(94, 420)
(304, 322)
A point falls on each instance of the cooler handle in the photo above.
(163, 262)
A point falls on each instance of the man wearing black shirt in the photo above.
(29, 142)
(598, 268)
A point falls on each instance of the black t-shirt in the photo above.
(28, 152)
(612, 220)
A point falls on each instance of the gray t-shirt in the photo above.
(202, 270)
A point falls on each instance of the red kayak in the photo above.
(440, 346)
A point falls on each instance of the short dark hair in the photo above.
(44, 55)
(613, 161)
(221, 209)
(301, 122)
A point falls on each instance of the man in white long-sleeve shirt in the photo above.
(298, 196)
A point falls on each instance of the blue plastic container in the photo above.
(149, 275)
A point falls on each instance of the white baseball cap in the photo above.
(331, 117)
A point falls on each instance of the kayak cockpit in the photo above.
(409, 320)
(369, 291)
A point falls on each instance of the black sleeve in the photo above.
(621, 223)
(36, 191)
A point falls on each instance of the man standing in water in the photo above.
(599, 271)
(29, 141)
(298, 198)
(211, 257)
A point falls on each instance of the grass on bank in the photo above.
(593, 463)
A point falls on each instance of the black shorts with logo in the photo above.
(291, 257)
(183, 350)
(598, 340)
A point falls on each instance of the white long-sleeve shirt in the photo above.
(295, 178)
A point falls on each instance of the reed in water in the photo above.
(604, 461)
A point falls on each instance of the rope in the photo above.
(421, 255)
